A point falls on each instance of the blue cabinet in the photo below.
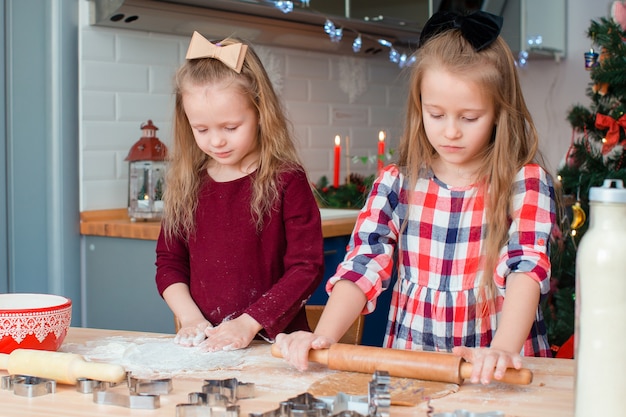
(120, 292)
(375, 322)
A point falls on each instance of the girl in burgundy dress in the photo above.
(466, 214)
(240, 249)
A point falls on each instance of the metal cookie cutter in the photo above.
(376, 403)
(140, 386)
(202, 404)
(304, 405)
(344, 405)
(87, 386)
(142, 393)
(148, 402)
(230, 388)
(28, 386)
(378, 394)
(217, 399)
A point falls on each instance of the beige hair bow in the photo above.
(231, 55)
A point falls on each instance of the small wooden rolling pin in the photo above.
(430, 366)
(64, 368)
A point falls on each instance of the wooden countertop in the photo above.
(551, 393)
(116, 223)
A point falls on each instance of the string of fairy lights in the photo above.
(401, 58)
(335, 33)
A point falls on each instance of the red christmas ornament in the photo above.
(611, 139)
(572, 160)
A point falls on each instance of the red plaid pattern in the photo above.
(435, 303)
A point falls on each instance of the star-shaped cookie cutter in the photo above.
(207, 404)
(217, 399)
(304, 405)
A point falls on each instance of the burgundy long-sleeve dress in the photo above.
(231, 268)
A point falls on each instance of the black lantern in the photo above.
(146, 175)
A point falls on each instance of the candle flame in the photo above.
(381, 135)
(337, 140)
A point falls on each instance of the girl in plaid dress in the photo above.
(465, 216)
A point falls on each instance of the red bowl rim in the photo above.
(66, 304)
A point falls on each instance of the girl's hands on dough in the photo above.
(232, 334)
(192, 333)
(294, 347)
(488, 363)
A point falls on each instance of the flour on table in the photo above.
(159, 357)
(152, 356)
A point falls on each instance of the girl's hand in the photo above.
(231, 334)
(488, 363)
(192, 333)
(294, 347)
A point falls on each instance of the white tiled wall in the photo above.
(125, 79)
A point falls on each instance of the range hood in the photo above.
(251, 20)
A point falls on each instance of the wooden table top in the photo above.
(116, 223)
(551, 393)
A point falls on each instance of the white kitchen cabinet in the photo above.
(523, 19)
(526, 20)
(398, 20)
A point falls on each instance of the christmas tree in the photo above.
(596, 153)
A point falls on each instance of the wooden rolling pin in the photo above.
(430, 366)
(64, 368)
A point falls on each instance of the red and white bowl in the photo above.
(33, 321)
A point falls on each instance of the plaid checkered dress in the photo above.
(436, 301)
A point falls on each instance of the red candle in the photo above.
(347, 159)
(381, 150)
(337, 156)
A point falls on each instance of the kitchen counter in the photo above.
(120, 253)
(551, 393)
(116, 223)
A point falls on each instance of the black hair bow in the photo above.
(479, 28)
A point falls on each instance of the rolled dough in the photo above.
(404, 391)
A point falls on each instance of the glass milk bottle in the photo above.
(601, 305)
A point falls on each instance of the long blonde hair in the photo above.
(514, 142)
(187, 161)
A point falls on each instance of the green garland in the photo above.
(351, 195)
